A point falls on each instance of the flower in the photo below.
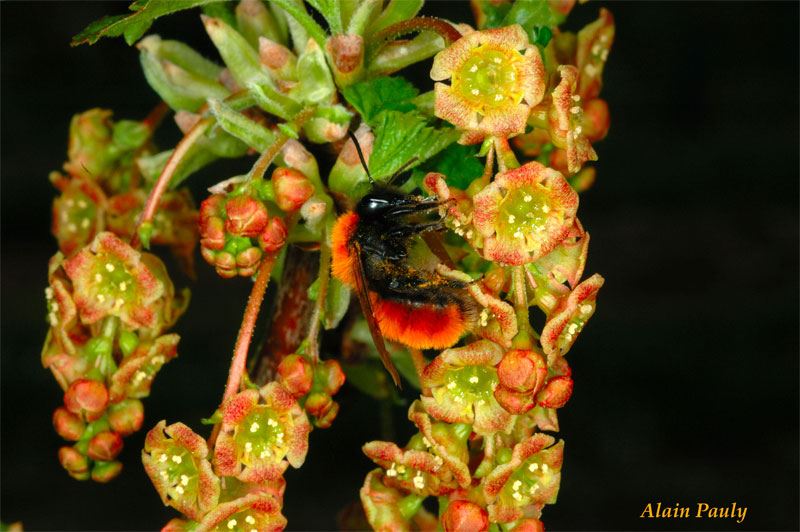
(496, 76)
(521, 486)
(77, 212)
(593, 44)
(260, 429)
(446, 441)
(137, 370)
(382, 506)
(566, 120)
(462, 381)
(175, 459)
(569, 317)
(411, 470)
(259, 511)
(111, 279)
(524, 213)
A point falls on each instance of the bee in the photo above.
(414, 306)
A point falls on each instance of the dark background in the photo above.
(687, 377)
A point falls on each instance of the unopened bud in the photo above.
(68, 425)
(246, 216)
(514, 402)
(347, 56)
(274, 236)
(74, 462)
(318, 403)
(556, 393)
(126, 417)
(296, 375)
(103, 472)
(332, 376)
(596, 119)
(105, 446)
(87, 398)
(280, 61)
(292, 188)
(464, 515)
(522, 370)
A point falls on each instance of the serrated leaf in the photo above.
(384, 93)
(405, 140)
(133, 26)
(458, 163)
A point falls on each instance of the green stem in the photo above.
(410, 505)
(506, 159)
(266, 158)
(523, 338)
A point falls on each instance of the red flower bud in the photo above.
(212, 233)
(248, 260)
(325, 420)
(211, 206)
(514, 402)
(596, 119)
(333, 376)
(464, 515)
(74, 462)
(226, 265)
(103, 472)
(529, 525)
(522, 370)
(292, 188)
(556, 393)
(318, 403)
(87, 398)
(246, 216)
(105, 446)
(126, 417)
(296, 375)
(274, 236)
(68, 425)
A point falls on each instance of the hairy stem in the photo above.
(312, 348)
(266, 158)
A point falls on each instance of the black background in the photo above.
(686, 378)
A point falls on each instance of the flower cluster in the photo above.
(238, 227)
(238, 484)
(481, 446)
(108, 306)
(104, 190)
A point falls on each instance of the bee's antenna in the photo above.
(402, 169)
(361, 156)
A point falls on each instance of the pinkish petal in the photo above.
(451, 107)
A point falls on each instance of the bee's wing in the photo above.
(366, 307)
(436, 245)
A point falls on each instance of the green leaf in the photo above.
(405, 140)
(379, 94)
(494, 13)
(132, 27)
(129, 135)
(458, 163)
(336, 303)
(533, 15)
(297, 12)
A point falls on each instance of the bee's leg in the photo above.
(417, 208)
(412, 229)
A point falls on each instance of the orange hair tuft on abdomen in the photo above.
(342, 259)
(419, 326)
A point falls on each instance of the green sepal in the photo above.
(132, 27)
(255, 20)
(301, 24)
(180, 76)
(241, 59)
(533, 15)
(238, 125)
(396, 11)
(315, 83)
(359, 22)
(222, 11)
(410, 505)
(273, 101)
(128, 341)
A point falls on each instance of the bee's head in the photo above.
(381, 201)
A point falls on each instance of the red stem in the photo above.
(446, 30)
(166, 175)
(153, 120)
(239, 360)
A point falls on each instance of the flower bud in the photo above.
(74, 462)
(246, 216)
(103, 472)
(296, 375)
(318, 403)
(514, 402)
(292, 188)
(90, 136)
(529, 525)
(325, 420)
(68, 425)
(126, 417)
(254, 20)
(105, 446)
(280, 61)
(86, 397)
(596, 119)
(522, 371)
(248, 260)
(556, 393)
(274, 236)
(347, 58)
(464, 515)
(226, 265)
(331, 375)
